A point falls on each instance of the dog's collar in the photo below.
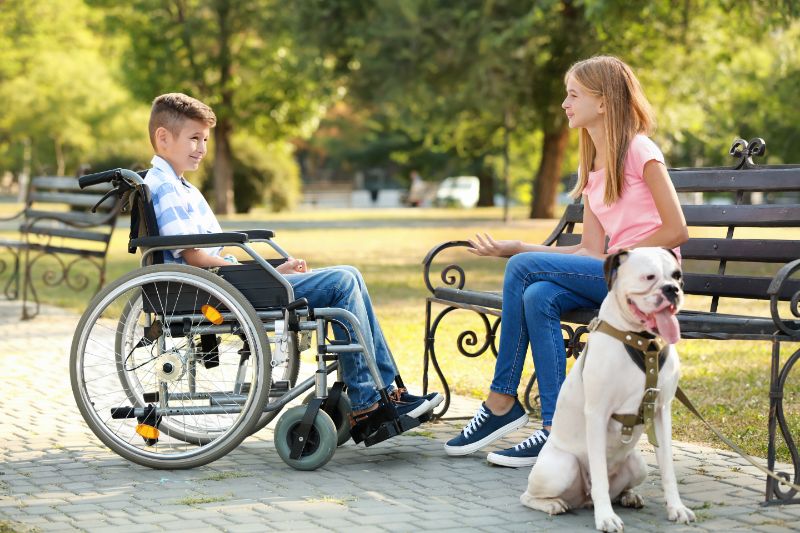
(643, 341)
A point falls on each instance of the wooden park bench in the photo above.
(59, 237)
(721, 262)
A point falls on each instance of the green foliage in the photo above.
(59, 91)
(265, 174)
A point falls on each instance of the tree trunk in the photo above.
(486, 194)
(60, 163)
(223, 168)
(545, 186)
(223, 154)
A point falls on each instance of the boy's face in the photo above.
(185, 150)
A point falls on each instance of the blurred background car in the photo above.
(460, 191)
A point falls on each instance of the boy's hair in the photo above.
(171, 110)
(627, 113)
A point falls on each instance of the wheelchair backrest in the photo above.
(143, 218)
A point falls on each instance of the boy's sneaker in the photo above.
(485, 428)
(413, 408)
(523, 454)
(402, 395)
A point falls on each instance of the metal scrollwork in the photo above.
(745, 151)
(447, 276)
(469, 338)
(776, 291)
(62, 273)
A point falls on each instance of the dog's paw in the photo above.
(551, 506)
(680, 514)
(631, 500)
(610, 522)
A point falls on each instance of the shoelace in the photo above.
(480, 417)
(537, 438)
(396, 394)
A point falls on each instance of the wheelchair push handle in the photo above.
(108, 176)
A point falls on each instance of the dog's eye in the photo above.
(650, 277)
(676, 274)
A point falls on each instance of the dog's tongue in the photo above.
(668, 326)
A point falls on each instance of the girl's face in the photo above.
(584, 109)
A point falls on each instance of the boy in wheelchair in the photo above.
(179, 129)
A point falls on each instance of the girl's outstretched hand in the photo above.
(486, 246)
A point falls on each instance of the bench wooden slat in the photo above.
(721, 180)
(85, 218)
(69, 233)
(755, 250)
(66, 184)
(728, 286)
(770, 216)
(78, 200)
(67, 250)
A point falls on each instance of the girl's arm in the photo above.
(673, 231)
(592, 242)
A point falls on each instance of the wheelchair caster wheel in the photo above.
(341, 417)
(320, 445)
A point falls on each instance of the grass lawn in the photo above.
(727, 380)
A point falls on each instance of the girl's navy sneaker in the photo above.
(523, 454)
(485, 428)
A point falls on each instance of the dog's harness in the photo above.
(649, 353)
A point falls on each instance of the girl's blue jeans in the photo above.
(537, 289)
(343, 287)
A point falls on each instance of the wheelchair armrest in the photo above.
(191, 241)
(258, 234)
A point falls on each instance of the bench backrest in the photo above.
(725, 257)
(58, 215)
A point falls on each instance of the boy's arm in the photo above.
(199, 258)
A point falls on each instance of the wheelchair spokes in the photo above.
(190, 389)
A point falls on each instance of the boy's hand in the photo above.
(486, 246)
(293, 266)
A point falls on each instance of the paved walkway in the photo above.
(56, 476)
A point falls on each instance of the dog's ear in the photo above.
(611, 265)
(672, 253)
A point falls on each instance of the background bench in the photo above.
(59, 237)
(722, 268)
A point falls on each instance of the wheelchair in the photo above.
(173, 366)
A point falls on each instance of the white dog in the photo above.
(586, 459)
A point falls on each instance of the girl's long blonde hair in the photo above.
(627, 113)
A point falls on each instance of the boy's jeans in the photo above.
(343, 287)
(537, 289)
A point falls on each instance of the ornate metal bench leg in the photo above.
(778, 376)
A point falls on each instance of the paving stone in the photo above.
(56, 476)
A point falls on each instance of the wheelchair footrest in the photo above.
(374, 434)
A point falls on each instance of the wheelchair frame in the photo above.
(305, 437)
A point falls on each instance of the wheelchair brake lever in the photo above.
(292, 322)
(104, 198)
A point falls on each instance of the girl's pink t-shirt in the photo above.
(633, 217)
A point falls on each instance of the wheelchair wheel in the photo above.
(287, 370)
(169, 366)
(319, 447)
(341, 417)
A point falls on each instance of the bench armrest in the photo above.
(203, 240)
(777, 290)
(447, 274)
